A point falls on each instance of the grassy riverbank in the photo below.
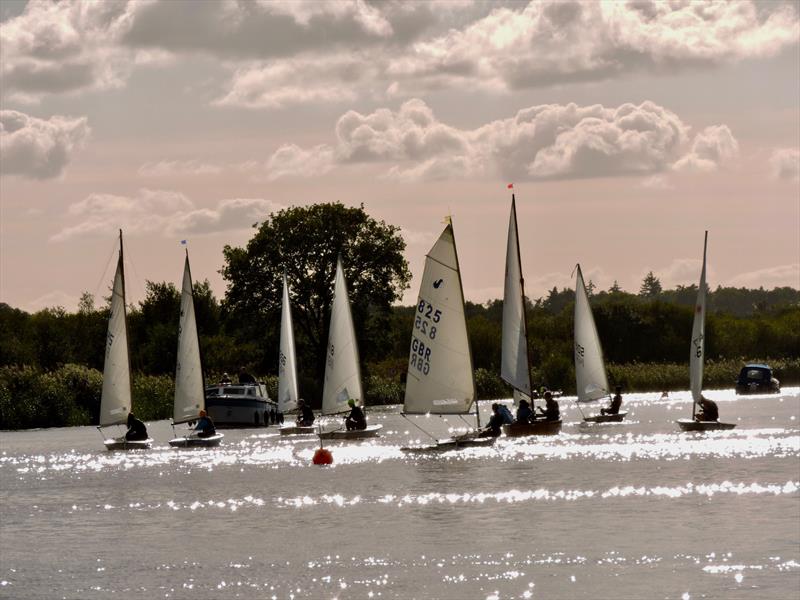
(70, 395)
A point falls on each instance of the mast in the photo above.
(196, 330)
(125, 315)
(464, 306)
(697, 350)
(522, 291)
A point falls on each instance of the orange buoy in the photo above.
(322, 456)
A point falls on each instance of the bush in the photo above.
(490, 386)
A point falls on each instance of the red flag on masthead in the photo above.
(511, 186)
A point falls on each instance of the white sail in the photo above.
(115, 401)
(590, 371)
(342, 372)
(697, 349)
(189, 388)
(514, 368)
(287, 361)
(440, 377)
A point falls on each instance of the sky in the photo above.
(626, 128)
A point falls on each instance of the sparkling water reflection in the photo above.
(630, 510)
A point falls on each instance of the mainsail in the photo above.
(440, 377)
(342, 372)
(590, 371)
(697, 348)
(189, 388)
(115, 400)
(287, 361)
(514, 367)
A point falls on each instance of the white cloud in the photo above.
(54, 299)
(160, 211)
(785, 164)
(280, 53)
(292, 161)
(711, 147)
(63, 47)
(769, 278)
(681, 271)
(541, 142)
(39, 148)
(166, 168)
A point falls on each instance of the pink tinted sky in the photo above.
(627, 130)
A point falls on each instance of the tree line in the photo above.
(651, 327)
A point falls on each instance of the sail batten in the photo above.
(697, 347)
(590, 371)
(342, 370)
(189, 385)
(515, 368)
(440, 376)
(115, 399)
(287, 361)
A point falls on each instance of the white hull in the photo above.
(298, 430)
(121, 443)
(617, 418)
(193, 441)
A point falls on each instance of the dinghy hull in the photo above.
(535, 428)
(298, 430)
(355, 434)
(469, 440)
(606, 418)
(691, 425)
(123, 444)
(197, 442)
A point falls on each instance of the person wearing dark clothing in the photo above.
(306, 416)
(245, 377)
(524, 412)
(356, 419)
(495, 422)
(708, 410)
(136, 429)
(205, 426)
(279, 418)
(616, 402)
(551, 411)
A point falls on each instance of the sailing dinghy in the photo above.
(590, 369)
(515, 363)
(287, 368)
(115, 400)
(440, 377)
(697, 356)
(342, 370)
(189, 385)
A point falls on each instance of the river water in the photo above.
(630, 510)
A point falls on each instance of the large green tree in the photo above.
(304, 242)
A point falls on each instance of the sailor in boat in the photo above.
(616, 402)
(356, 420)
(205, 426)
(551, 411)
(524, 412)
(500, 416)
(245, 377)
(306, 416)
(136, 429)
(225, 379)
(708, 410)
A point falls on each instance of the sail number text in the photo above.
(426, 318)
(420, 356)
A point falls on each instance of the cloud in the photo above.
(681, 271)
(54, 299)
(540, 44)
(64, 47)
(785, 164)
(39, 148)
(769, 278)
(711, 147)
(159, 211)
(166, 168)
(548, 141)
(292, 161)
